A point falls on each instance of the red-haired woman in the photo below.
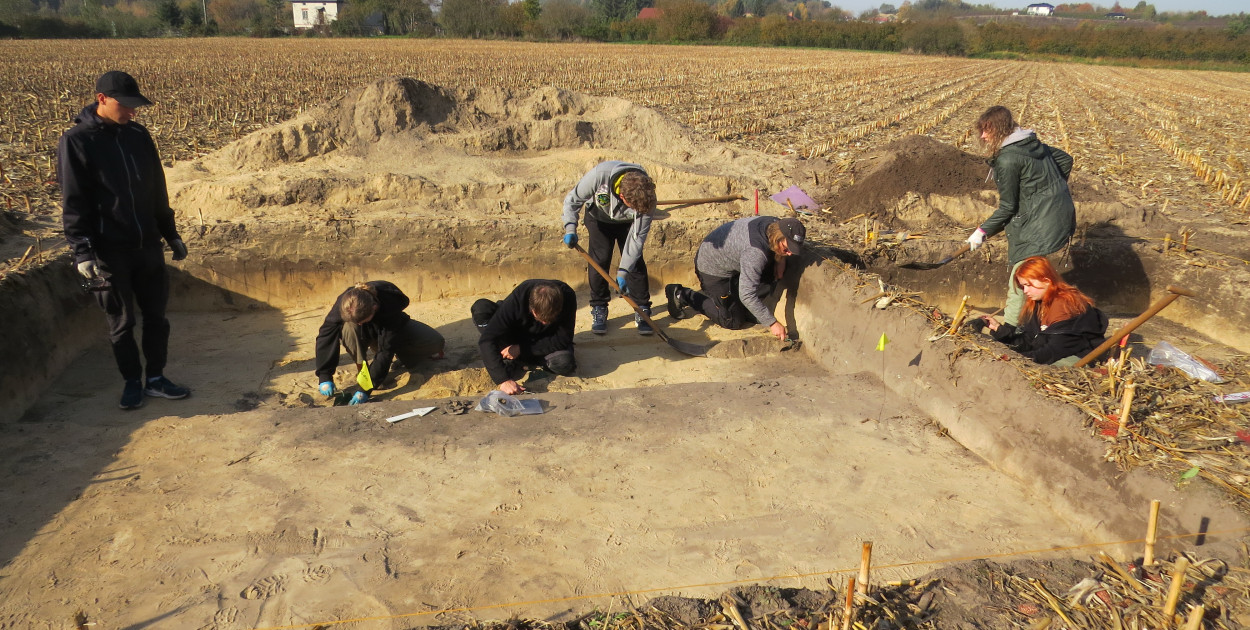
(1058, 323)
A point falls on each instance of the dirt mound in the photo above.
(475, 120)
(914, 164)
(399, 145)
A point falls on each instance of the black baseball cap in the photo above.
(122, 87)
(795, 234)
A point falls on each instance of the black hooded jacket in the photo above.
(1076, 336)
(112, 187)
(387, 322)
(514, 323)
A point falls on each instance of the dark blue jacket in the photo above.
(112, 187)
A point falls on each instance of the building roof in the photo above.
(1040, 5)
(649, 13)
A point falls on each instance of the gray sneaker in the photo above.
(599, 320)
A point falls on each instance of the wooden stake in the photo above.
(1174, 592)
(849, 610)
(1152, 534)
(959, 316)
(865, 561)
(1195, 618)
(1130, 388)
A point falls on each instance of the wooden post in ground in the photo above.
(1152, 534)
(1174, 591)
(1130, 388)
(1195, 617)
(865, 561)
(848, 611)
(1173, 293)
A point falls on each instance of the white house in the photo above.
(310, 13)
(1040, 8)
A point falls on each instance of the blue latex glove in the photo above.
(326, 388)
(358, 398)
(570, 239)
(620, 280)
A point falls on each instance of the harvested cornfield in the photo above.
(1171, 138)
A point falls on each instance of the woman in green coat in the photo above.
(1034, 205)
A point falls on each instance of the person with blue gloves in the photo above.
(619, 198)
(370, 317)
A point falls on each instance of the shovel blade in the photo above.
(923, 266)
(687, 348)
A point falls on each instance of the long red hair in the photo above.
(1060, 301)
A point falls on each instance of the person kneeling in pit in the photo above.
(370, 317)
(533, 326)
(1058, 323)
(739, 264)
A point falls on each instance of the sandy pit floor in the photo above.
(243, 507)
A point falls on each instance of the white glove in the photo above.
(89, 269)
(976, 239)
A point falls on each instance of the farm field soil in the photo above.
(252, 504)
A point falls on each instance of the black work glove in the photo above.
(180, 248)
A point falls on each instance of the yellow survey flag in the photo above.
(365, 380)
(881, 343)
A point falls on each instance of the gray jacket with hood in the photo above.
(1034, 205)
(597, 191)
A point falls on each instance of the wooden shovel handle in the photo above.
(628, 300)
(1173, 293)
(683, 202)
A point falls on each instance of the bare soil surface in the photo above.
(255, 504)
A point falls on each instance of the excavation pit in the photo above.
(255, 503)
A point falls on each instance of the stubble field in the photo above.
(1169, 138)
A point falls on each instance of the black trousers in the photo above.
(719, 301)
(138, 287)
(602, 238)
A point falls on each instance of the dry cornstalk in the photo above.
(1174, 591)
(1152, 534)
(865, 561)
(848, 611)
(959, 316)
(1126, 405)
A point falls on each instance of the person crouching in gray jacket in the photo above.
(738, 265)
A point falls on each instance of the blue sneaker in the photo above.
(599, 320)
(162, 387)
(643, 327)
(132, 395)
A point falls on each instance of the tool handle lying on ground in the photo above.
(924, 266)
(693, 202)
(1173, 293)
(680, 346)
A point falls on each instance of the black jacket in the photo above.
(513, 323)
(1076, 336)
(112, 187)
(385, 325)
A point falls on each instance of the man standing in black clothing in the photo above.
(116, 212)
(532, 326)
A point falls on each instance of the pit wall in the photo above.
(995, 412)
(49, 321)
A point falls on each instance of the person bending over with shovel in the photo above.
(1034, 204)
(370, 317)
(1057, 323)
(739, 264)
(619, 198)
(533, 326)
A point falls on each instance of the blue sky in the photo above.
(1212, 7)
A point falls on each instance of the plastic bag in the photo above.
(509, 406)
(1166, 354)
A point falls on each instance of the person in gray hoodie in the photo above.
(619, 198)
(1034, 204)
(739, 264)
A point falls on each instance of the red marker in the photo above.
(757, 202)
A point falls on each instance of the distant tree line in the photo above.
(943, 27)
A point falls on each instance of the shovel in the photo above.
(683, 347)
(925, 266)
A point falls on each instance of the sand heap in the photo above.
(400, 143)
